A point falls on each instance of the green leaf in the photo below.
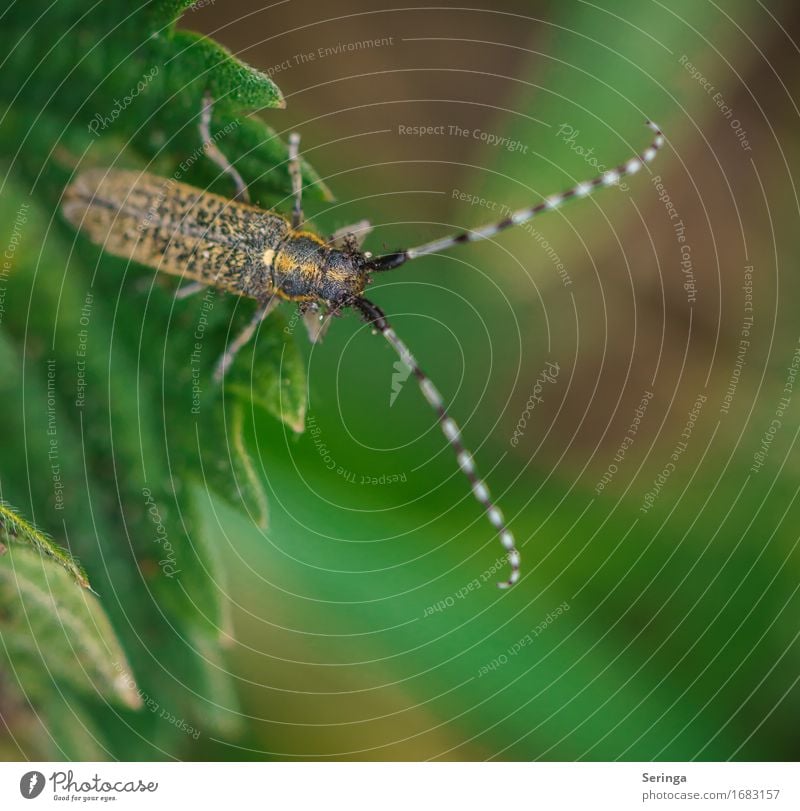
(138, 82)
(165, 13)
(66, 103)
(228, 78)
(14, 529)
(248, 481)
(221, 710)
(271, 373)
(50, 625)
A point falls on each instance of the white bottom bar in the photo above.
(401, 786)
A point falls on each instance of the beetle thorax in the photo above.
(306, 269)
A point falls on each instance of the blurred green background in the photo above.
(657, 618)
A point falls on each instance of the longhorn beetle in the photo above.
(238, 247)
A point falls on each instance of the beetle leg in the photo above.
(297, 179)
(215, 153)
(317, 322)
(189, 290)
(355, 233)
(224, 363)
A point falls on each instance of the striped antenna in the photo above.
(391, 261)
(374, 315)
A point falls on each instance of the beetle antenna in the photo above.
(373, 315)
(390, 261)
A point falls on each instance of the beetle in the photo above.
(235, 246)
